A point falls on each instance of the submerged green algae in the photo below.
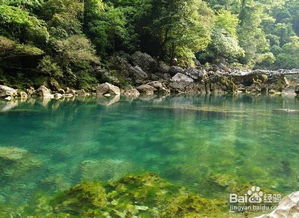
(145, 195)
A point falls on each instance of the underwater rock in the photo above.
(287, 208)
(15, 162)
(104, 170)
(205, 109)
(54, 183)
(107, 88)
(6, 91)
(12, 153)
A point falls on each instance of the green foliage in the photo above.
(10, 48)
(49, 68)
(18, 24)
(227, 21)
(224, 43)
(74, 49)
(71, 32)
(64, 17)
(165, 23)
(106, 26)
(30, 5)
(289, 57)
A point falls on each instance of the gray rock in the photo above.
(145, 61)
(163, 67)
(6, 91)
(159, 86)
(107, 88)
(130, 92)
(138, 73)
(179, 86)
(146, 89)
(175, 70)
(194, 73)
(44, 92)
(297, 89)
(179, 77)
(287, 208)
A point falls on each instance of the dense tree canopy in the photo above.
(253, 33)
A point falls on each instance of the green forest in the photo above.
(66, 39)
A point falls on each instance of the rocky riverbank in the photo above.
(140, 74)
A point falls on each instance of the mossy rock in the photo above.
(14, 162)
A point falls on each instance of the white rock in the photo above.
(44, 92)
(107, 88)
(287, 208)
(6, 91)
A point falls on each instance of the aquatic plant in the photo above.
(145, 195)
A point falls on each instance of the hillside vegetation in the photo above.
(66, 40)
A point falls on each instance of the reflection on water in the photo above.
(193, 141)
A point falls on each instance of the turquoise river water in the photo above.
(183, 139)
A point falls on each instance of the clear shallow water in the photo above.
(183, 139)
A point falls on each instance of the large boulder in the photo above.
(145, 61)
(44, 92)
(179, 77)
(288, 208)
(138, 74)
(6, 91)
(146, 89)
(130, 92)
(194, 73)
(107, 89)
(173, 70)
